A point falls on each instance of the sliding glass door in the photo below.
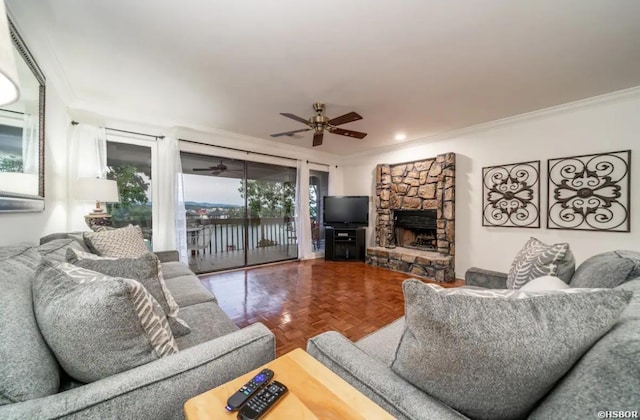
(270, 193)
(318, 189)
(239, 213)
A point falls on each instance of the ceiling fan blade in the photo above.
(343, 119)
(295, 117)
(349, 133)
(290, 133)
(317, 138)
(202, 169)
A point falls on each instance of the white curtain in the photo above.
(335, 180)
(88, 152)
(172, 232)
(303, 221)
(30, 143)
(181, 216)
(87, 157)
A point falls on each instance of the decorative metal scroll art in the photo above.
(511, 195)
(590, 192)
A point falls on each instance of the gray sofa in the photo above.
(214, 352)
(607, 377)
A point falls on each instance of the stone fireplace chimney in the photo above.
(415, 221)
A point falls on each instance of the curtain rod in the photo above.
(247, 151)
(125, 131)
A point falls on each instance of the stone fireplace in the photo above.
(415, 218)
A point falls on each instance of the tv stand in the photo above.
(344, 243)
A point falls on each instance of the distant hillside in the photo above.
(194, 205)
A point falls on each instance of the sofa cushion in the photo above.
(494, 353)
(537, 259)
(56, 250)
(188, 290)
(173, 269)
(207, 322)
(607, 376)
(382, 344)
(126, 242)
(608, 269)
(98, 325)
(376, 381)
(146, 269)
(28, 368)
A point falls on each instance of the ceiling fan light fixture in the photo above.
(320, 123)
(400, 136)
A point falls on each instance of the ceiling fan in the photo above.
(320, 123)
(213, 170)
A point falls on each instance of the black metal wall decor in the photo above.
(511, 195)
(590, 192)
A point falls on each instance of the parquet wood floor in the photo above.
(301, 299)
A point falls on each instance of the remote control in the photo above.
(262, 402)
(249, 389)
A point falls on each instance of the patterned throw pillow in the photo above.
(146, 269)
(495, 353)
(537, 259)
(126, 242)
(98, 325)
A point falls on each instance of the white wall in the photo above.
(603, 124)
(29, 227)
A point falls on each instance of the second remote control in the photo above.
(262, 402)
(249, 389)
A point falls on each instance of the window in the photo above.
(130, 165)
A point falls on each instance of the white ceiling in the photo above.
(418, 66)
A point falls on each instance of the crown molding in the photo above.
(617, 96)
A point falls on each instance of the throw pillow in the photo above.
(608, 269)
(145, 269)
(494, 353)
(544, 283)
(126, 242)
(28, 368)
(537, 259)
(608, 375)
(56, 250)
(98, 325)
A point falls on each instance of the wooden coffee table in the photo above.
(314, 392)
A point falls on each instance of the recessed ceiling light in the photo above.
(400, 136)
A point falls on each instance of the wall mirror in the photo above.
(22, 136)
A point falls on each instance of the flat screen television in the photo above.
(346, 211)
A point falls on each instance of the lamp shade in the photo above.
(96, 189)
(8, 72)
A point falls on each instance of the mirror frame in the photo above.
(23, 202)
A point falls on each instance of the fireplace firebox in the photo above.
(416, 229)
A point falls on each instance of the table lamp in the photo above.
(98, 190)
